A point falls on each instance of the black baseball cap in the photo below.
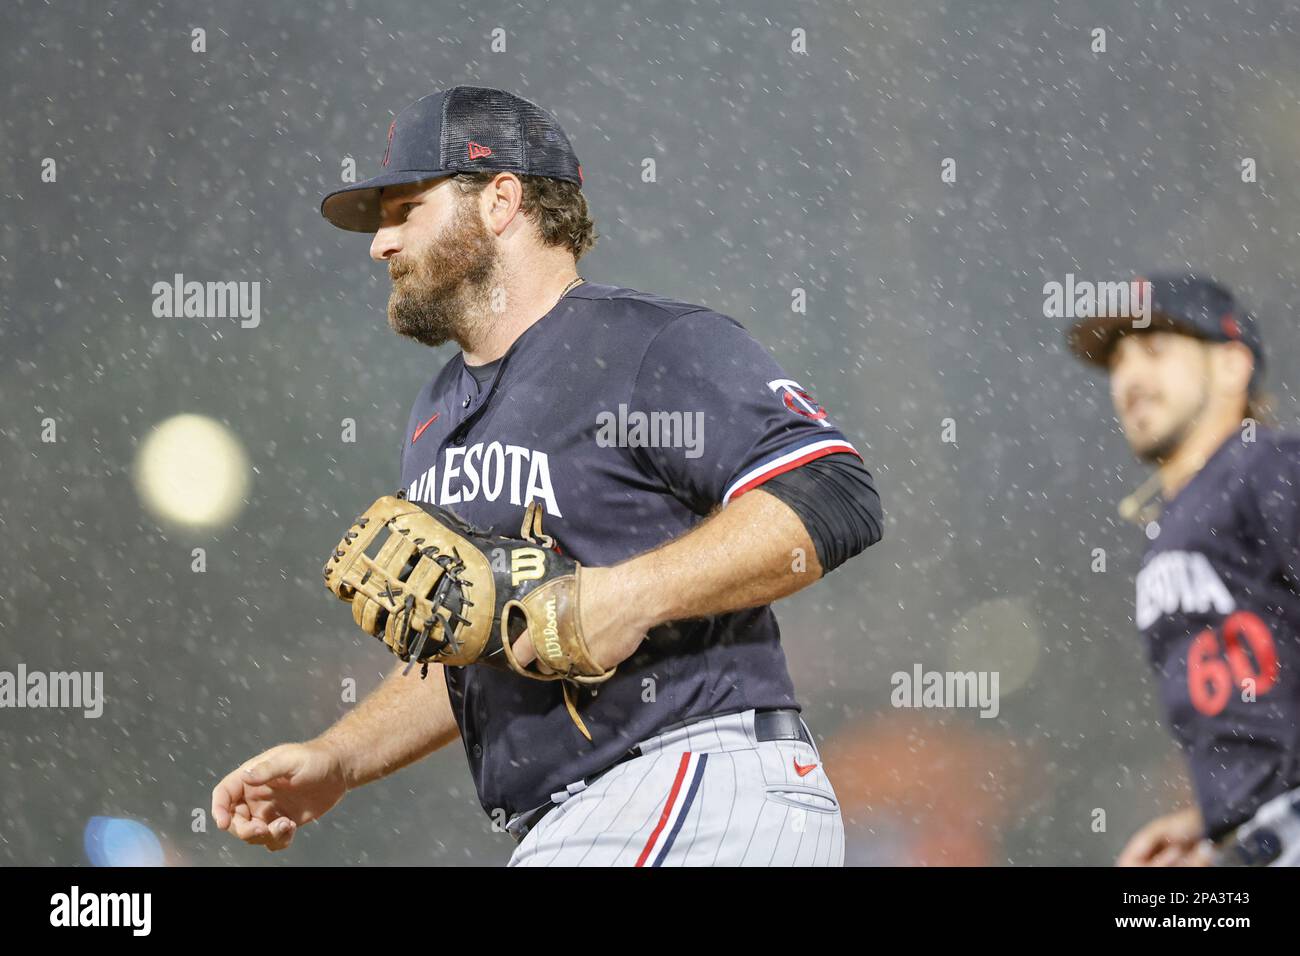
(466, 129)
(1181, 302)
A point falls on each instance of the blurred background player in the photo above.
(1217, 596)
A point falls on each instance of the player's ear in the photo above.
(501, 201)
(1233, 365)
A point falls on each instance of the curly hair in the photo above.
(556, 207)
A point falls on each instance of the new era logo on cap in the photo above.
(460, 130)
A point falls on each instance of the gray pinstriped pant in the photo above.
(708, 794)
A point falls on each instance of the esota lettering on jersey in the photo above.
(489, 471)
(1180, 581)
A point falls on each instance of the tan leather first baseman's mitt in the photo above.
(434, 588)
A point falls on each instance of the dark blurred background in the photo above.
(776, 170)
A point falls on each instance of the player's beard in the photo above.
(443, 293)
(1160, 448)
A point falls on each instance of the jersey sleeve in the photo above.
(746, 419)
(1275, 476)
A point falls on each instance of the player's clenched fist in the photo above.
(269, 797)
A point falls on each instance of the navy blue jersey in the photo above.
(629, 417)
(1219, 602)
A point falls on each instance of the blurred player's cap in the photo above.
(466, 129)
(1185, 303)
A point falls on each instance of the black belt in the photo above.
(776, 724)
(781, 724)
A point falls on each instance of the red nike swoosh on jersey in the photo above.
(420, 431)
(802, 770)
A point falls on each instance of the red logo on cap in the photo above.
(580, 174)
(1230, 327)
(478, 152)
(391, 127)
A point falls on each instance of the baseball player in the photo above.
(1218, 596)
(691, 478)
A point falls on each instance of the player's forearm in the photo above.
(752, 552)
(401, 721)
